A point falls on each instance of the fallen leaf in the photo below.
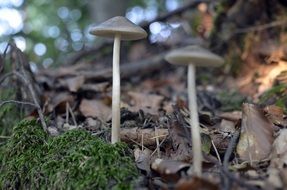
(149, 103)
(143, 159)
(231, 116)
(274, 178)
(57, 102)
(95, 108)
(74, 83)
(98, 87)
(227, 126)
(275, 114)
(195, 183)
(180, 138)
(169, 170)
(256, 136)
(279, 151)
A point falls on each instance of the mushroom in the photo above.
(118, 28)
(193, 56)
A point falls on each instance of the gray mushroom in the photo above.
(193, 56)
(119, 28)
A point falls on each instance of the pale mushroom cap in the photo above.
(119, 25)
(195, 55)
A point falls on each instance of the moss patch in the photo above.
(73, 160)
(276, 95)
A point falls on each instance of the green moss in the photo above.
(276, 95)
(73, 160)
(230, 100)
(10, 114)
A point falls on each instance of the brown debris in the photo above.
(146, 137)
(95, 108)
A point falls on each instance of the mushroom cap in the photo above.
(119, 25)
(195, 55)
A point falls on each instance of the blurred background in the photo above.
(54, 35)
(49, 30)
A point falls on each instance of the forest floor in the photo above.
(241, 105)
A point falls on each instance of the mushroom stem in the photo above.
(194, 124)
(116, 90)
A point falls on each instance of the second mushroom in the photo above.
(193, 56)
(118, 28)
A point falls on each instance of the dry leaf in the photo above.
(180, 138)
(169, 170)
(275, 114)
(227, 126)
(279, 151)
(195, 183)
(143, 159)
(95, 108)
(149, 103)
(231, 116)
(256, 136)
(57, 102)
(75, 83)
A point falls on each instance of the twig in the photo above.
(72, 114)
(228, 152)
(230, 149)
(216, 152)
(4, 77)
(2, 103)
(32, 92)
(158, 146)
(157, 142)
(67, 113)
(27, 80)
(261, 27)
(5, 137)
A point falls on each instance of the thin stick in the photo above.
(216, 152)
(194, 123)
(157, 142)
(116, 90)
(7, 75)
(159, 146)
(16, 102)
(5, 137)
(72, 115)
(67, 113)
(32, 92)
(142, 141)
(228, 152)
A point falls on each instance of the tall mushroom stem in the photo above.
(194, 124)
(116, 90)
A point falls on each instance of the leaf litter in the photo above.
(244, 148)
